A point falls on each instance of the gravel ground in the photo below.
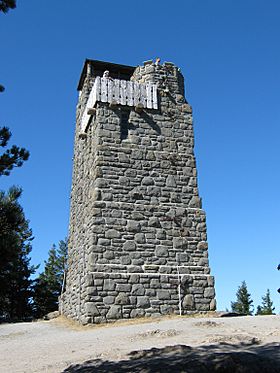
(61, 346)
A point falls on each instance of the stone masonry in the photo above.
(137, 235)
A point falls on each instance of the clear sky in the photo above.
(228, 51)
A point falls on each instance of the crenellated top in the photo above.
(167, 76)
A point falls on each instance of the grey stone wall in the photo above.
(137, 234)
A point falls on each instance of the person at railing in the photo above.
(106, 75)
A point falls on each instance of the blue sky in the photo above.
(229, 54)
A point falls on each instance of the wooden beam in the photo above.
(139, 108)
(113, 104)
(91, 110)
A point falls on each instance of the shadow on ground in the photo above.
(218, 358)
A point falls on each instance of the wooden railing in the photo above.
(119, 92)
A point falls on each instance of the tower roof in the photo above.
(98, 67)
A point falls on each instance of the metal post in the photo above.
(179, 291)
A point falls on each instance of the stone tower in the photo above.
(137, 235)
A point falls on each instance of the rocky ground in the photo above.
(174, 344)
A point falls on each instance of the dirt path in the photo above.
(53, 346)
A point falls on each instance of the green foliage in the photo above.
(243, 303)
(267, 305)
(48, 286)
(15, 268)
(13, 157)
(5, 5)
(15, 234)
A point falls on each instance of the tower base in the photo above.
(161, 290)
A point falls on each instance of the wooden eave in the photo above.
(116, 71)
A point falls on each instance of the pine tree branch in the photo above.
(13, 157)
(5, 135)
(5, 5)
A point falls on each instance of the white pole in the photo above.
(63, 283)
(179, 291)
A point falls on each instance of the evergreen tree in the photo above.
(5, 5)
(15, 234)
(267, 305)
(15, 267)
(49, 284)
(243, 303)
(13, 157)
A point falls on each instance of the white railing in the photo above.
(119, 92)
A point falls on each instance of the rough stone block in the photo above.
(200, 283)
(163, 294)
(109, 254)
(188, 302)
(202, 246)
(165, 269)
(195, 202)
(143, 302)
(140, 238)
(99, 319)
(91, 309)
(137, 313)
(161, 251)
(153, 191)
(122, 298)
(180, 243)
(109, 284)
(137, 262)
(109, 299)
(203, 262)
(97, 249)
(201, 227)
(129, 246)
(209, 293)
(125, 260)
(115, 312)
(137, 289)
(213, 305)
(148, 181)
(210, 281)
(171, 181)
(135, 215)
(202, 307)
(91, 290)
(92, 258)
(133, 300)
(123, 287)
(124, 180)
(154, 222)
(133, 226)
(155, 283)
(166, 309)
(112, 233)
(103, 242)
(182, 257)
(150, 292)
(89, 281)
(134, 279)
(135, 269)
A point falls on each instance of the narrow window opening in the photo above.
(124, 124)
